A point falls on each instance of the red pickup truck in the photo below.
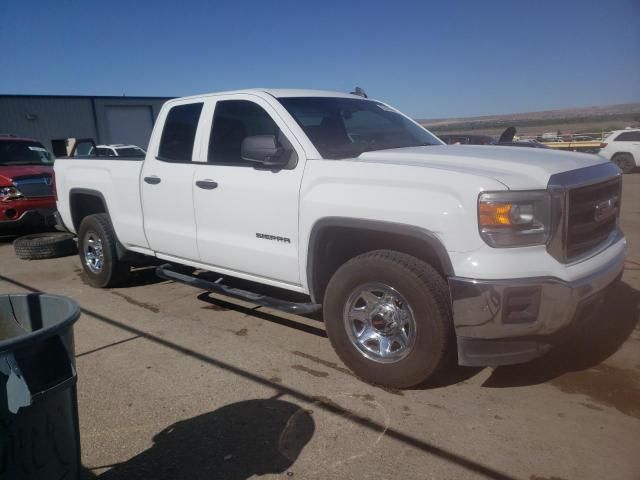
(27, 196)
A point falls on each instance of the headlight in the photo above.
(514, 219)
(9, 193)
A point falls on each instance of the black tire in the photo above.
(625, 162)
(425, 291)
(45, 245)
(113, 271)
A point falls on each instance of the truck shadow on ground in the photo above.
(450, 375)
(602, 336)
(9, 235)
(235, 442)
(256, 312)
(142, 275)
(6, 239)
(138, 277)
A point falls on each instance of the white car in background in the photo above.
(118, 150)
(622, 147)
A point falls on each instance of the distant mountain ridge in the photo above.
(571, 119)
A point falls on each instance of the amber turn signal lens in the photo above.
(495, 214)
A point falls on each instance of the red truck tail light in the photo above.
(602, 145)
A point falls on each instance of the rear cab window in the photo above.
(179, 133)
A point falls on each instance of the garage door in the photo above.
(129, 124)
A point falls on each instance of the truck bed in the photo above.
(116, 180)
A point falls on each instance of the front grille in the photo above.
(40, 186)
(592, 216)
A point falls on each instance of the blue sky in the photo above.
(428, 58)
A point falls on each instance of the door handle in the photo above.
(207, 184)
(152, 180)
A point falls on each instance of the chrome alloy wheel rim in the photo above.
(93, 253)
(380, 323)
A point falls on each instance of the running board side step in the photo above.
(164, 271)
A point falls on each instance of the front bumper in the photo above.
(501, 322)
(30, 218)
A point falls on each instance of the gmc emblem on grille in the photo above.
(605, 209)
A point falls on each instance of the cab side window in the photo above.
(628, 137)
(179, 133)
(233, 121)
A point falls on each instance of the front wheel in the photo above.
(625, 162)
(98, 247)
(388, 317)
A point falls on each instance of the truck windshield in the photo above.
(347, 127)
(21, 152)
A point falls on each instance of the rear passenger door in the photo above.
(166, 184)
(247, 216)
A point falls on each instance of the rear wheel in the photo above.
(98, 247)
(387, 316)
(625, 162)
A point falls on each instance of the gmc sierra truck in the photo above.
(413, 249)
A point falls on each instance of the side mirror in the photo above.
(264, 150)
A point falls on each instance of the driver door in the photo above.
(246, 216)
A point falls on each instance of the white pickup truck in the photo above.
(414, 249)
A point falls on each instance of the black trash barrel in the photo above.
(39, 435)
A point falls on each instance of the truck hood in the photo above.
(10, 172)
(518, 168)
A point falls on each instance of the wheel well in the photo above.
(617, 154)
(83, 205)
(332, 246)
